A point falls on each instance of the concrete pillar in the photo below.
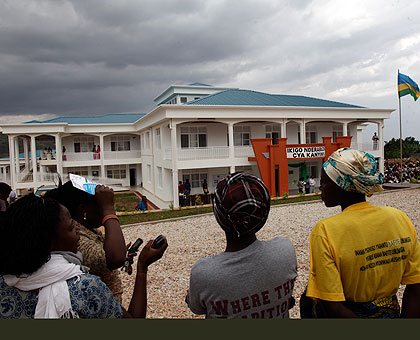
(26, 154)
(302, 132)
(17, 158)
(381, 144)
(283, 129)
(345, 129)
(34, 162)
(12, 156)
(101, 155)
(232, 169)
(59, 156)
(231, 143)
(175, 175)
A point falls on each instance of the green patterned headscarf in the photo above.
(354, 170)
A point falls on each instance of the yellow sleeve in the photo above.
(93, 254)
(324, 277)
(411, 273)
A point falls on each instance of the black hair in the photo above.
(5, 188)
(70, 197)
(27, 229)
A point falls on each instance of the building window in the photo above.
(241, 135)
(337, 130)
(116, 171)
(172, 101)
(158, 140)
(273, 131)
(83, 144)
(120, 143)
(149, 172)
(311, 135)
(78, 171)
(193, 137)
(195, 177)
(159, 177)
(183, 100)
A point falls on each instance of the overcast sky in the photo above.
(70, 58)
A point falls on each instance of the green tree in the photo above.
(409, 146)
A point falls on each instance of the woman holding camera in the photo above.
(42, 275)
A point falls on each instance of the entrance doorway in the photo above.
(133, 177)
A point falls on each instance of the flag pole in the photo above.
(399, 106)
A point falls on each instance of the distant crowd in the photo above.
(410, 171)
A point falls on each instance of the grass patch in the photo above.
(126, 200)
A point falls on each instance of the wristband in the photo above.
(110, 217)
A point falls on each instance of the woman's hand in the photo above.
(149, 255)
(105, 199)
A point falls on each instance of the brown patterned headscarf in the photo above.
(241, 203)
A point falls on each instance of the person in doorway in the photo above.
(375, 139)
(311, 182)
(251, 278)
(187, 192)
(181, 194)
(300, 185)
(205, 191)
(359, 258)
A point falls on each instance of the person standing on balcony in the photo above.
(94, 151)
(375, 139)
(251, 278)
(98, 152)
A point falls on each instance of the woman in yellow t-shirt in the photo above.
(360, 257)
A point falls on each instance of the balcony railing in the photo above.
(364, 146)
(244, 151)
(214, 152)
(122, 154)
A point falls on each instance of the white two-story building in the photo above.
(196, 131)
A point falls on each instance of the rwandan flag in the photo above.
(406, 85)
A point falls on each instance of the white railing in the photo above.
(364, 146)
(244, 151)
(122, 154)
(80, 156)
(214, 152)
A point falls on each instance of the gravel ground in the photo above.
(194, 237)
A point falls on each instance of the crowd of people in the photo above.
(54, 263)
(410, 171)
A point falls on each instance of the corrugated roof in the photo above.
(254, 98)
(113, 118)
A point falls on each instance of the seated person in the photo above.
(142, 205)
(360, 257)
(251, 278)
(103, 254)
(41, 271)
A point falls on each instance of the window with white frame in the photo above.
(193, 137)
(172, 101)
(159, 179)
(83, 144)
(273, 131)
(337, 130)
(158, 139)
(195, 177)
(241, 135)
(311, 134)
(120, 143)
(149, 173)
(183, 100)
(147, 140)
(81, 171)
(116, 171)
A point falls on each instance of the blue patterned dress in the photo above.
(90, 298)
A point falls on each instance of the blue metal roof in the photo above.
(198, 84)
(254, 98)
(113, 118)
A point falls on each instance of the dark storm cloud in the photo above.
(96, 57)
